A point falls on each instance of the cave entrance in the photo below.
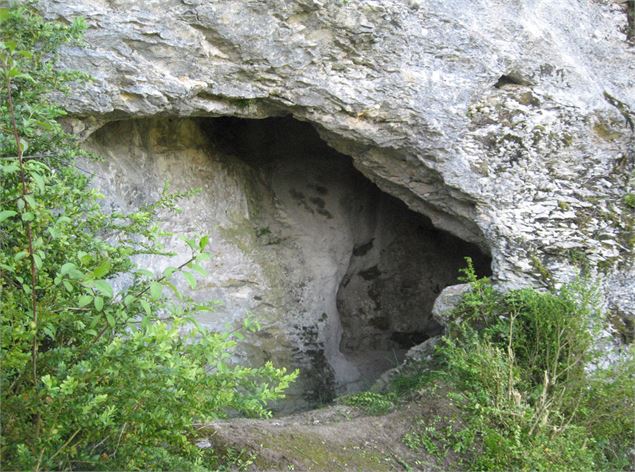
(398, 267)
(361, 270)
(340, 275)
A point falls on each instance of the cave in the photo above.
(341, 275)
(391, 262)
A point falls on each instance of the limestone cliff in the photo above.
(506, 129)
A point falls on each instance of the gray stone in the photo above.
(507, 124)
(447, 301)
(341, 276)
(417, 359)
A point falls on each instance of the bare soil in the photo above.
(331, 439)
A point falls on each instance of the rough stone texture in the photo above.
(341, 276)
(447, 300)
(509, 124)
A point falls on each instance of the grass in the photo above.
(518, 384)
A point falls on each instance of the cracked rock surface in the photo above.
(507, 124)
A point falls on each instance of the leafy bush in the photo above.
(101, 369)
(524, 373)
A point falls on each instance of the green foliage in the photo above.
(440, 436)
(524, 373)
(103, 365)
(371, 402)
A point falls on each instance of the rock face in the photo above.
(340, 275)
(507, 124)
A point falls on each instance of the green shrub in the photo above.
(101, 369)
(371, 402)
(532, 393)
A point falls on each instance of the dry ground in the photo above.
(334, 438)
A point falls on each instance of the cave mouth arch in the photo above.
(388, 263)
(341, 275)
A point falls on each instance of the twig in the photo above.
(68, 441)
(92, 449)
(39, 461)
(31, 157)
(510, 355)
(29, 233)
(123, 429)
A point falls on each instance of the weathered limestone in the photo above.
(341, 276)
(508, 124)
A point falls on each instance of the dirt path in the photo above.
(336, 438)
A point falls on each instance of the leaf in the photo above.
(37, 260)
(27, 77)
(203, 256)
(68, 286)
(202, 244)
(84, 258)
(49, 330)
(47, 381)
(75, 274)
(99, 304)
(39, 181)
(155, 290)
(4, 14)
(102, 269)
(85, 300)
(145, 272)
(146, 306)
(198, 268)
(44, 124)
(20, 255)
(4, 214)
(111, 320)
(28, 216)
(190, 279)
(175, 290)
(66, 268)
(103, 287)
(191, 243)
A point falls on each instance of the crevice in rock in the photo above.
(512, 78)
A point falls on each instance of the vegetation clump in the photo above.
(373, 403)
(531, 389)
(102, 364)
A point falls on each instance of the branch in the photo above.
(105, 328)
(29, 233)
(65, 444)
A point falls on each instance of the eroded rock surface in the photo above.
(341, 276)
(507, 124)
